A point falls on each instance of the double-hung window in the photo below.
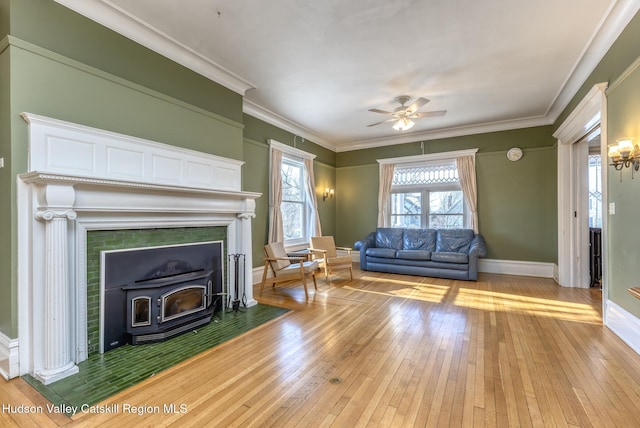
(427, 195)
(294, 207)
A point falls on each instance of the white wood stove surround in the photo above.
(82, 179)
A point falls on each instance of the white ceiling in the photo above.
(315, 68)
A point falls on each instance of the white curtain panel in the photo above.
(314, 226)
(276, 233)
(386, 179)
(467, 173)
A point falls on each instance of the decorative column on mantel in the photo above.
(245, 236)
(55, 209)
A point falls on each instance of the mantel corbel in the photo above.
(246, 215)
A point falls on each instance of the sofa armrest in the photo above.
(478, 247)
(368, 241)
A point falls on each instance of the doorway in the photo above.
(575, 135)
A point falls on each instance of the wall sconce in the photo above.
(328, 193)
(624, 154)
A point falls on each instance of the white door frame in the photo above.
(571, 232)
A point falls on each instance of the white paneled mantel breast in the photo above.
(81, 179)
(67, 148)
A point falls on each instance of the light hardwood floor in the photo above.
(395, 351)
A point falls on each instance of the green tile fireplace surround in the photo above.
(104, 240)
(103, 375)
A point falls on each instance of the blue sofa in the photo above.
(442, 253)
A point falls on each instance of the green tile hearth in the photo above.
(103, 375)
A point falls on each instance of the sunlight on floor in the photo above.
(484, 300)
(493, 301)
(409, 290)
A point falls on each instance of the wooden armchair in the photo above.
(283, 269)
(327, 255)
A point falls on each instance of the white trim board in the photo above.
(625, 325)
(504, 267)
(518, 267)
(9, 357)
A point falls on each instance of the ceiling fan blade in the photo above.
(375, 110)
(416, 105)
(427, 114)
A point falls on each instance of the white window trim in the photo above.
(292, 151)
(296, 154)
(420, 159)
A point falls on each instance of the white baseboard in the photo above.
(514, 267)
(9, 357)
(506, 267)
(623, 324)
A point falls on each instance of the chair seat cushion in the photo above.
(294, 268)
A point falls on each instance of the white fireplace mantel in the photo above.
(83, 179)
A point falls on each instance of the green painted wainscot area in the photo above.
(104, 375)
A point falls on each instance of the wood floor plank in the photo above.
(395, 351)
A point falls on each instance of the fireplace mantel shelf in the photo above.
(37, 177)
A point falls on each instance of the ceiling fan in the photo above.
(402, 115)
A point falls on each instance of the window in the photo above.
(294, 201)
(427, 196)
(293, 211)
(595, 191)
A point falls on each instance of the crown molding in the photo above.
(611, 26)
(259, 112)
(111, 16)
(447, 133)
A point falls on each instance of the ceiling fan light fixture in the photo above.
(403, 124)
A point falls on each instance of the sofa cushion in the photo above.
(389, 237)
(419, 239)
(387, 253)
(450, 257)
(414, 254)
(454, 240)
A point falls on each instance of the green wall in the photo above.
(517, 205)
(623, 113)
(7, 260)
(255, 177)
(58, 29)
(516, 200)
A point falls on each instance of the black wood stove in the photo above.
(180, 292)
